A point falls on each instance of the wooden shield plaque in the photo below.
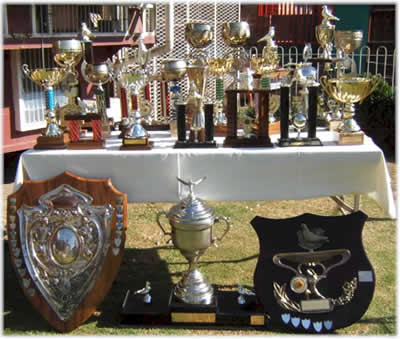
(313, 274)
(66, 237)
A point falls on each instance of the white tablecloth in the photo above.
(232, 173)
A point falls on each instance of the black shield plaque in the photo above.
(313, 274)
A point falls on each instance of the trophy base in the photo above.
(189, 144)
(182, 312)
(247, 142)
(136, 144)
(220, 130)
(290, 142)
(165, 311)
(86, 144)
(351, 138)
(156, 127)
(45, 142)
(274, 128)
(334, 125)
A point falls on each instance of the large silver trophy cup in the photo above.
(192, 233)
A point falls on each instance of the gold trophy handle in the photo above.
(228, 227)
(375, 81)
(159, 214)
(26, 70)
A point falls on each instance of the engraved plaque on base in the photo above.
(67, 237)
(309, 271)
(351, 138)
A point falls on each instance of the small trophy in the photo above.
(349, 90)
(48, 78)
(347, 42)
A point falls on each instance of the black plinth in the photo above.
(288, 142)
(167, 310)
(188, 144)
(156, 127)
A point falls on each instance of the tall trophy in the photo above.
(349, 90)
(174, 70)
(199, 35)
(67, 54)
(98, 74)
(325, 31)
(48, 78)
(219, 67)
(192, 223)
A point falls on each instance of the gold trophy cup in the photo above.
(48, 78)
(349, 90)
(347, 42)
(219, 67)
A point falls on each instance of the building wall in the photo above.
(12, 139)
(353, 17)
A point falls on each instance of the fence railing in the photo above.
(380, 61)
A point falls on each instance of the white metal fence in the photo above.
(381, 61)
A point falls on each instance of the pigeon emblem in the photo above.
(311, 239)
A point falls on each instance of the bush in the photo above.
(377, 118)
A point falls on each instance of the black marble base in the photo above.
(223, 312)
(188, 144)
(293, 142)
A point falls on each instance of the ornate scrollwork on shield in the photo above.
(65, 248)
(66, 244)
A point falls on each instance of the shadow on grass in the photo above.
(138, 266)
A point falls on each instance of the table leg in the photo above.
(346, 208)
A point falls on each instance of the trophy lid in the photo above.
(192, 210)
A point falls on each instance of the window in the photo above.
(29, 100)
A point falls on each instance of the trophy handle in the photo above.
(375, 81)
(26, 70)
(83, 70)
(159, 214)
(324, 84)
(228, 227)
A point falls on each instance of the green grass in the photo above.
(147, 256)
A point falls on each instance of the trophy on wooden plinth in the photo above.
(350, 90)
(67, 54)
(96, 74)
(48, 78)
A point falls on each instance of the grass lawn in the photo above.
(147, 256)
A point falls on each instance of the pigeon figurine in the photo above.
(241, 299)
(269, 38)
(327, 16)
(145, 291)
(87, 35)
(311, 240)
